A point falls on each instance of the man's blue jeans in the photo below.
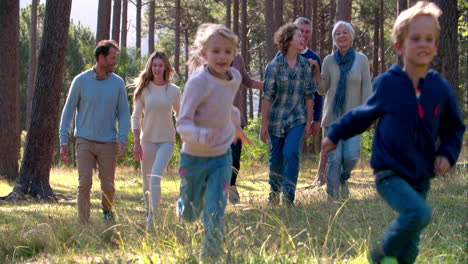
(341, 162)
(284, 161)
(203, 185)
(401, 239)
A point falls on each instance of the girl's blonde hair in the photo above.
(146, 75)
(421, 8)
(204, 33)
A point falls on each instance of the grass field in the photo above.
(315, 231)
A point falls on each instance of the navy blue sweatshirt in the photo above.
(410, 132)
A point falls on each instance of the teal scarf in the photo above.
(345, 62)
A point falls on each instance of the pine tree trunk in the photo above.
(138, 28)
(343, 10)
(447, 53)
(235, 17)
(243, 40)
(103, 20)
(116, 20)
(308, 9)
(152, 7)
(32, 61)
(401, 6)
(228, 14)
(383, 67)
(313, 44)
(123, 31)
(375, 60)
(9, 89)
(278, 9)
(35, 167)
(330, 27)
(296, 9)
(269, 29)
(177, 37)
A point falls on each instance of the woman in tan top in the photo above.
(155, 98)
(346, 82)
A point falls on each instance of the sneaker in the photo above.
(377, 256)
(273, 199)
(233, 195)
(108, 216)
(344, 190)
(288, 202)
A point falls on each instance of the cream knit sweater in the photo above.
(358, 85)
(156, 104)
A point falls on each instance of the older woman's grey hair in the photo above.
(347, 25)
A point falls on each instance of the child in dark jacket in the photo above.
(419, 131)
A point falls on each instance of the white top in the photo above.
(156, 104)
(207, 110)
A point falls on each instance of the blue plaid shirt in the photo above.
(287, 89)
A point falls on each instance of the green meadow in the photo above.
(317, 230)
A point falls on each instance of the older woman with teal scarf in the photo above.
(346, 82)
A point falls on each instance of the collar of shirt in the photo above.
(304, 51)
(95, 75)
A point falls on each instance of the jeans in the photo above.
(203, 185)
(401, 240)
(284, 161)
(236, 149)
(341, 162)
(88, 153)
(156, 156)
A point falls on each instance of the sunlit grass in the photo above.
(315, 231)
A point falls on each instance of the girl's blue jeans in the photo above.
(401, 239)
(284, 161)
(203, 185)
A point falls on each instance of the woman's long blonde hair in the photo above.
(204, 33)
(146, 76)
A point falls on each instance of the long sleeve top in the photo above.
(318, 99)
(156, 104)
(247, 81)
(358, 85)
(207, 110)
(411, 131)
(287, 89)
(99, 105)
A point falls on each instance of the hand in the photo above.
(441, 165)
(314, 64)
(64, 153)
(315, 128)
(264, 132)
(212, 137)
(122, 149)
(327, 145)
(137, 151)
(240, 135)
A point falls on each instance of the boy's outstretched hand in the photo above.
(327, 145)
(240, 135)
(441, 165)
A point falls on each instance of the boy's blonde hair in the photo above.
(421, 8)
(204, 33)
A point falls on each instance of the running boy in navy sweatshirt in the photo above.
(419, 131)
